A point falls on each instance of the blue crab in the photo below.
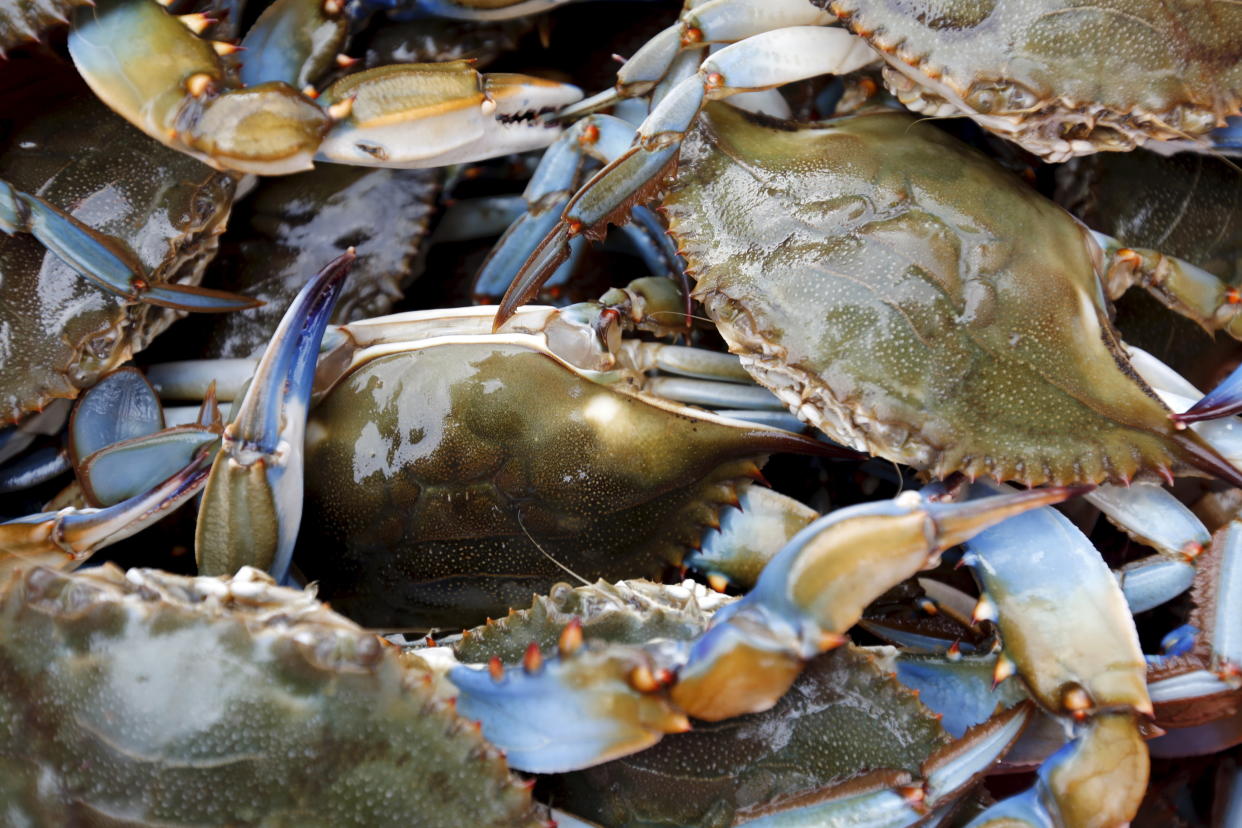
(141, 220)
(943, 335)
(1059, 78)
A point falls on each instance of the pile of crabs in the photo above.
(345, 481)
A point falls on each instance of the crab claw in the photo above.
(568, 713)
(252, 506)
(102, 259)
(432, 114)
(70, 536)
(1097, 779)
(816, 588)
(1222, 401)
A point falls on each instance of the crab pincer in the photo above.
(808, 596)
(252, 506)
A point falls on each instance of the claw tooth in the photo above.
(223, 48)
(310, 91)
(830, 641)
(345, 61)
(642, 680)
(532, 659)
(678, 723)
(954, 653)
(198, 84)
(196, 22)
(341, 109)
(718, 582)
(1077, 701)
(495, 668)
(913, 795)
(1004, 669)
(571, 637)
(985, 610)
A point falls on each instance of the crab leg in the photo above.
(253, 502)
(1216, 427)
(804, 601)
(597, 136)
(104, 260)
(70, 536)
(1203, 660)
(293, 41)
(39, 466)
(1097, 779)
(714, 22)
(147, 67)
(761, 62)
(1180, 285)
(1075, 646)
(1222, 401)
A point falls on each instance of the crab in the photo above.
(941, 324)
(141, 219)
(1060, 79)
(151, 70)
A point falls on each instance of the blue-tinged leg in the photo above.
(102, 259)
(34, 468)
(817, 587)
(602, 701)
(761, 62)
(252, 507)
(600, 137)
(1222, 401)
(70, 536)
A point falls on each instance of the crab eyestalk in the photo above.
(252, 506)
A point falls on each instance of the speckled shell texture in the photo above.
(155, 699)
(912, 299)
(1105, 73)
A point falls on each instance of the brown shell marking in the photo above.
(1064, 76)
(910, 298)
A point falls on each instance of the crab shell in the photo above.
(912, 299)
(151, 698)
(1061, 78)
(58, 331)
(451, 481)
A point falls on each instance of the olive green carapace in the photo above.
(911, 298)
(1106, 72)
(451, 482)
(155, 699)
(59, 332)
(842, 715)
